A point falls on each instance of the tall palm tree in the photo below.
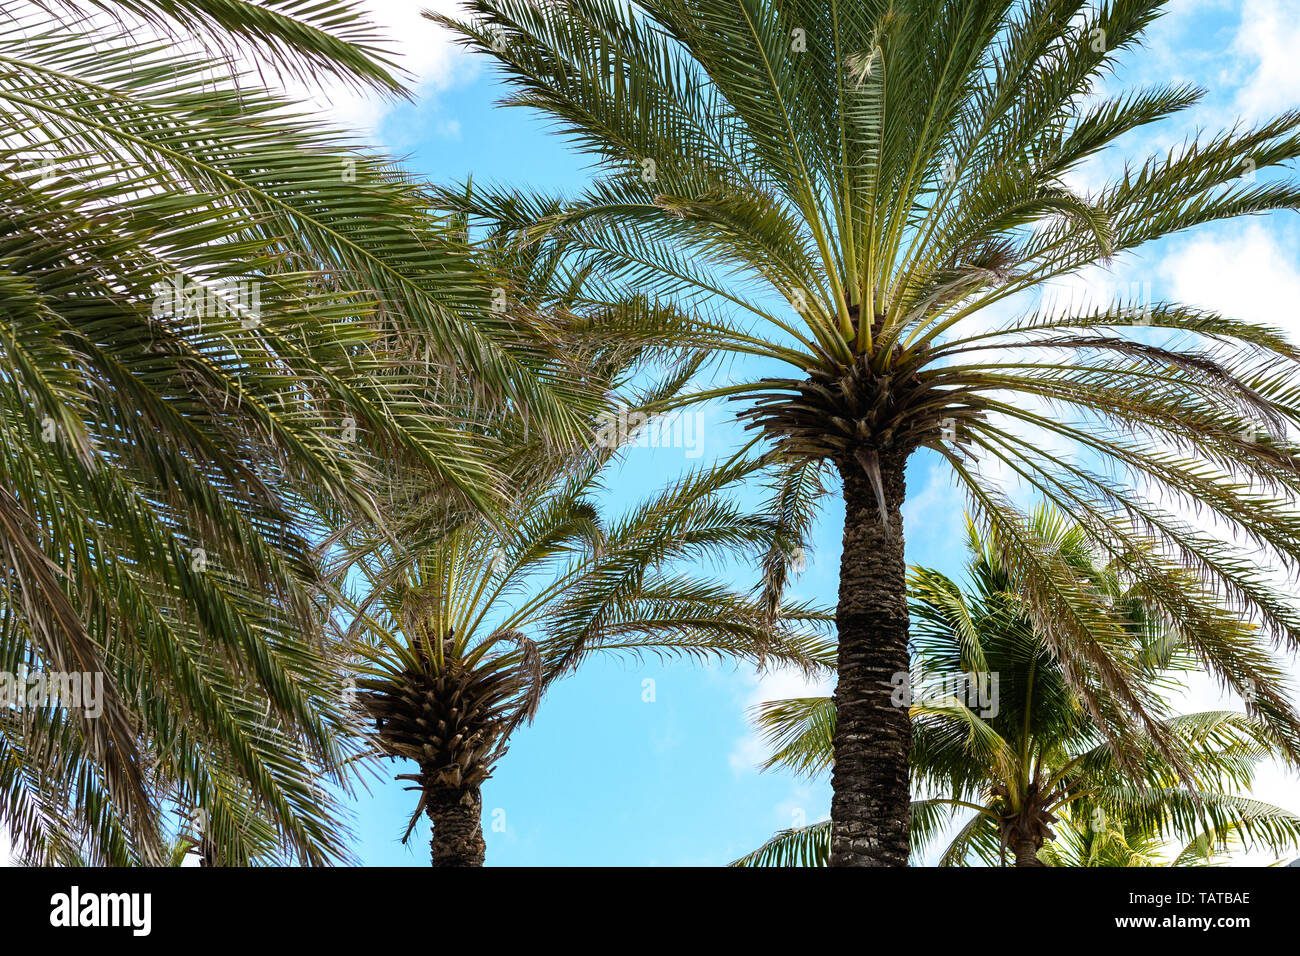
(1019, 755)
(858, 184)
(208, 304)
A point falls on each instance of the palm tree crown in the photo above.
(463, 620)
(462, 638)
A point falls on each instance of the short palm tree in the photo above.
(858, 184)
(203, 298)
(1023, 750)
(461, 638)
(464, 618)
(1094, 840)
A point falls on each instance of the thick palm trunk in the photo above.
(870, 808)
(1027, 853)
(457, 817)
(1027, 830)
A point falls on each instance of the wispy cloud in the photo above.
(421, 48)
(1247, 272)
(773, 684)
(1266, 45)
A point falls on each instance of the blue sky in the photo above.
(605, 777)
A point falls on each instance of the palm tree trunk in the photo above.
(457, 817)
(1027, 853)
(871, 804)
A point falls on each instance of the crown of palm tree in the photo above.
(462, 629)
(463, 621)
(1035, 753)
(468, 636)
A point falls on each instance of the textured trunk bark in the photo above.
(871, 802)
(1027, 853)
(457, 817)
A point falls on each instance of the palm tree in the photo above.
(1078, 841)
(208, 304)
(1012, 746)
(860, 183)
(461, 639)
(464, 620)
(1120, 843)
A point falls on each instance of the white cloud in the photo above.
(1273, 783)
(772, 684)
(747, 754)
(1249, 273)
(936, 512)
(800, 808)
(1246, 274)
(421, 48)
(1267, 42)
